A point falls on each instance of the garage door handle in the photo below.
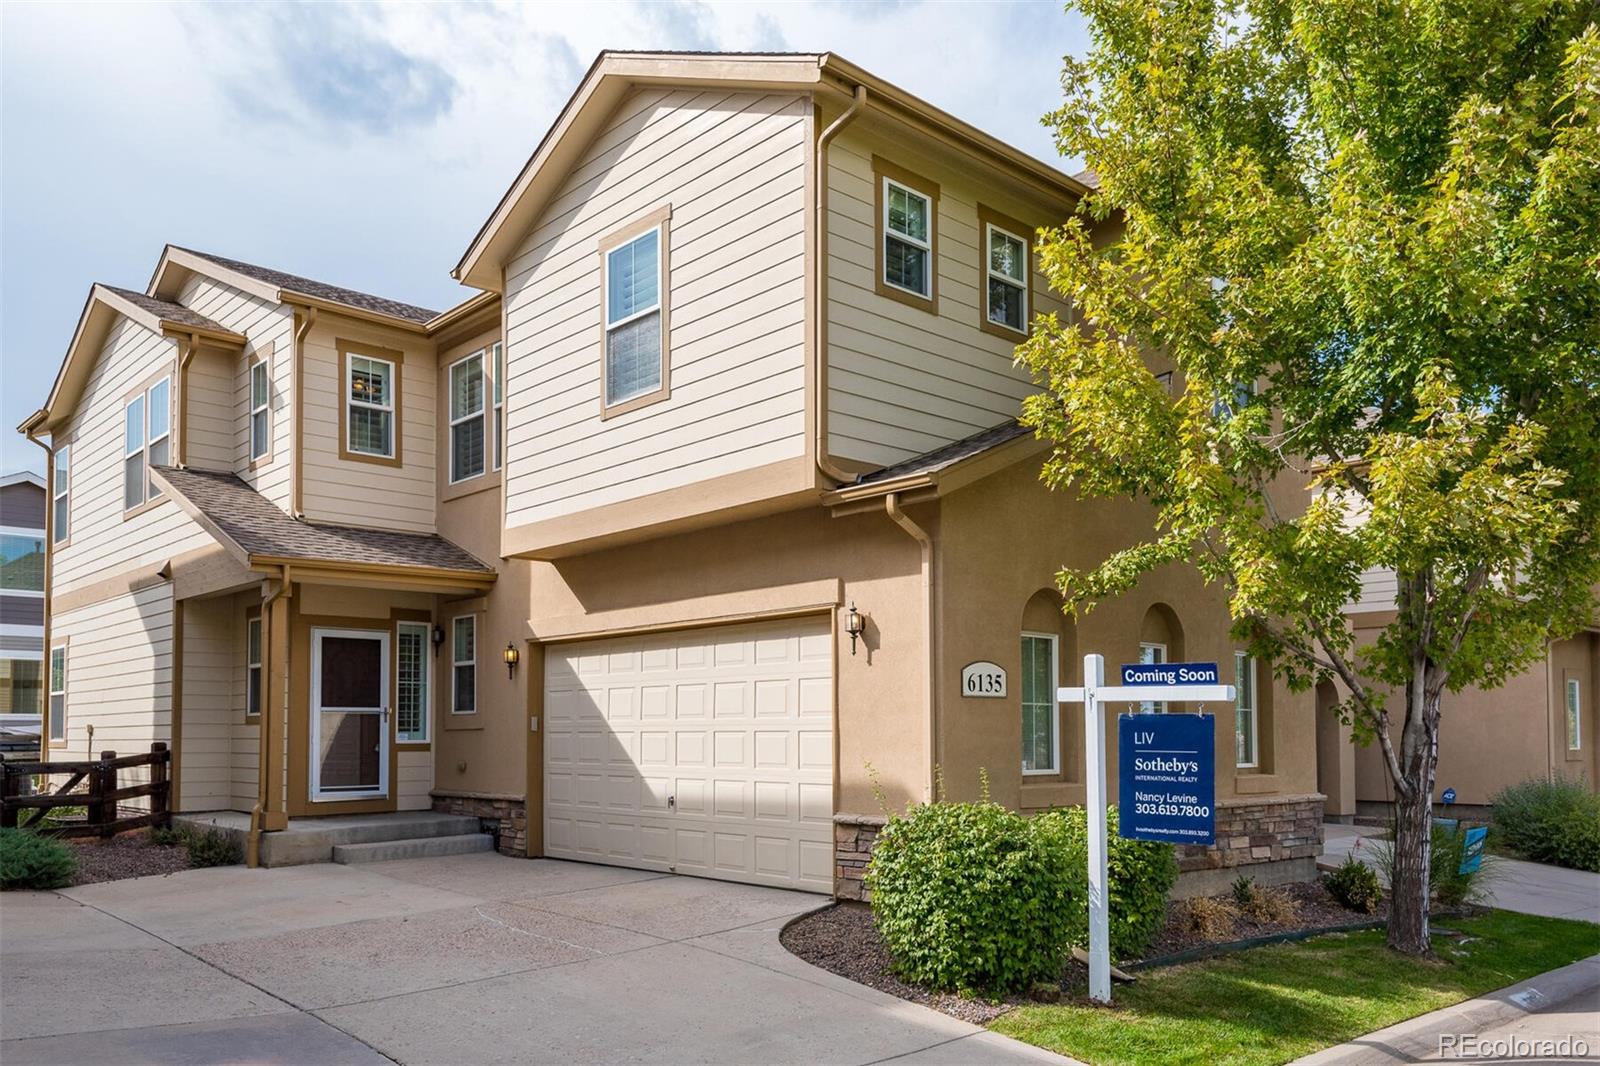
(672, 801)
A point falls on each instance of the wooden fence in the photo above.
(100, 799)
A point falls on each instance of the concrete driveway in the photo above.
(461, 960)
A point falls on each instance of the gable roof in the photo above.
(614, 73)
(168, 314)
(259, 532)
(947, 467)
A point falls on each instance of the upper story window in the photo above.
(635, 284)
(1006, 271)
(370, 416)
(260, 410)
(22, 562)
(907, 236)
(61, 495)
(499, 372)
(147, 442)
(466, 418)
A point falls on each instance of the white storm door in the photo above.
(349, 714)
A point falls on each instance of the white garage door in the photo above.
(706, 752)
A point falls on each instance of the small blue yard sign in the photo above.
(1167, 782)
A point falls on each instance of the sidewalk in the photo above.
(1513, 885)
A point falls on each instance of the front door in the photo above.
(349, 714)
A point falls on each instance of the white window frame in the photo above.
(654, 309)
(482, 413)
(351, 403)
(252, 668)
(989, 229)
(1054, 707)
(1152, 706)
(151, 491)
(456, 664)
(424, 735)
(926, 245)
(51, 692)
(148, 492)
(61, 496)
(26, 534)
(498, 357)
(261, 409)
(1242, 662)
(1574, 714)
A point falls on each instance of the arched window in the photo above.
(1160, 641)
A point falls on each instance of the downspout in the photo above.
(891, 507)
(296, 394)
(820, 266)
(252, 850)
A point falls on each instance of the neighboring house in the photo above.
(1541, 723)
(721, 465)
(22, 568)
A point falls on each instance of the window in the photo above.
(463, 662)
(252, 667)
(61, 494)
(499, 402)
(1006, 271)
(633, 352)
(58, 694)
(1041, 743)
(466, 418)
(907, 239)
(260, 419)
(1150, 654)
(1244, 709)
(1574, 716)
(19, 685)
(369, 385)
(146, 442)
(411, 682)
(22, 563)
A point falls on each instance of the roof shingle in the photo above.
(939, 458)
(167, 310)
(255, 524)
(321, 290)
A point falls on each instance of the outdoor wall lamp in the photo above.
(511, 655)
(438, 638)
(855, 625)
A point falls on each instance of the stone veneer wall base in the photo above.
(506, 815)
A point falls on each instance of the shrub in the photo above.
(166, 836)
(974, 897)
(1354, 886)
(1447, 885)
(211, 848)
(1141, 874)
(1272, 906)
(1555, 821)
(28, 860)
(1244, 891)
(1213, 919)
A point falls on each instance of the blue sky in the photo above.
(364, 144)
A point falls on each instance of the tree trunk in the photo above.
(1413, 819)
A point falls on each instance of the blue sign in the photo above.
(1167, 777)
(1170, 674)
(1449, 795)
(1472, 849)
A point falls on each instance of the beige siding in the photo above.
(212, 638)
(731, 167)
(104, 543)
(269, 327)
(210, 427)
(119, 673)
(363, 493)
(1378, 591)
(902, 380)
(413, 774)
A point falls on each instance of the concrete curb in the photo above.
(1418, 1038)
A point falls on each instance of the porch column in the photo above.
(275, 707)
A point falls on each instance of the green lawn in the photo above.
(1274, 1004)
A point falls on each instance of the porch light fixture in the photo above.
(511, 655)
(438, 638)
(855, 625)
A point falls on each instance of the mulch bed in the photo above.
(127, 855)
(842, 939)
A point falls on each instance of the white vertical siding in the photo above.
(732, 168)
(901, 380)
(212, 640)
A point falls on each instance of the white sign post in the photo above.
(1094, 695)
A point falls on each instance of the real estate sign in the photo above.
(1167, 778)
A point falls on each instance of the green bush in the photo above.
(1141, 874)
(212, 848)
(973, 897)
(1354, 886)
(1555, 821)
(1244, 890)
(28, 860)
(1447, 885)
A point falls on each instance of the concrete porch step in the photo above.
(419, 848)
(314, 839)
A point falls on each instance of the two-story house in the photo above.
(720, 466)
(22, 564)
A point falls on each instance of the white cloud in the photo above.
(365, 144)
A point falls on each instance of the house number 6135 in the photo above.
(983, 680)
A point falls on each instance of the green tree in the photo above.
(1366, 237)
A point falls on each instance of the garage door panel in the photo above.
(708, 753)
